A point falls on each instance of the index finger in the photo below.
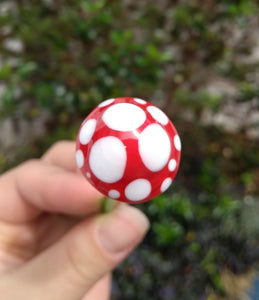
(62, 154)
(35, 187)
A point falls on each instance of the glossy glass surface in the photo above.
(128, 149)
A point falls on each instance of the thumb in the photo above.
(69, 268)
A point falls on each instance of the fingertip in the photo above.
(122, 229)
(62, 154)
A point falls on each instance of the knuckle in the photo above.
(56, 149)
(59, 145)
(29, 164)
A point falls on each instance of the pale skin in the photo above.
(55, 244)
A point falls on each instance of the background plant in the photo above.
(197, 60)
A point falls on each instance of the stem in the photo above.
(107, 205)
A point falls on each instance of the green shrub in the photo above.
(77, 53)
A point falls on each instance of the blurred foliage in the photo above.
(71, 55)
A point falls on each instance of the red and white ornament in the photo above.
(128, 149)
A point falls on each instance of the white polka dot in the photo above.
(114, 194)
(88, 174)
(80, 158)
(140, 101)
(154, 147)
(106, 102)
(165, 184)
(172, 165)
(138, 189)
(108, 159)
(87, 131)
(158, 115)
(177, 143)
(124, 117)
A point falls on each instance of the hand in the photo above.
(54, 242)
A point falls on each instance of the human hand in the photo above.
(54, 242)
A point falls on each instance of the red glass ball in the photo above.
(128, 149)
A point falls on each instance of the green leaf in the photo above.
(5, 71)
(153, 52)
(167, 233)
(27, 68)
(120, 37)
(182, 206)
(226, 206)
(8, 96)
(44, 93)
(92, 7)
(195, 247)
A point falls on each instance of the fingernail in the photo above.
(122, 229)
